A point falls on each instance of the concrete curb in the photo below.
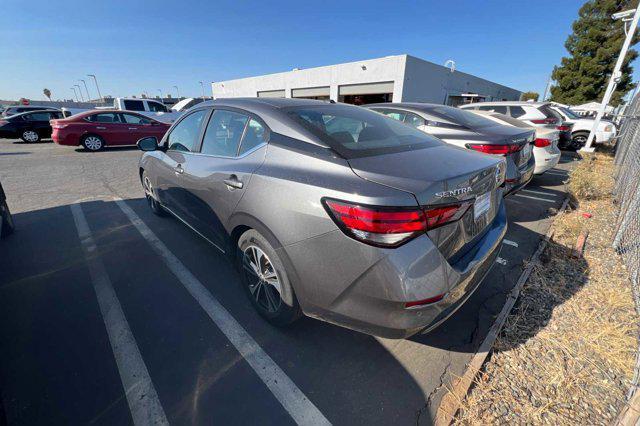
(459, 388)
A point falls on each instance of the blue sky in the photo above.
(134, 46)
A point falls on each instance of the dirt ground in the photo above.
(567, 351)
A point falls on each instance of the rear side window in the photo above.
(105, 117)
(549, 113)
(494, 108)
(223, 134)
(254, 135)
(133, 105)
(358, 132)
(396, 115)
(156, 107)
(38, 116)
(517, 111)
(135, 119)
(186, 135)
(414, 120)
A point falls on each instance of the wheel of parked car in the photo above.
(578, 140)
(148, 192)
(7, 220)
(93, 142)
(30, 136)
(265, 280)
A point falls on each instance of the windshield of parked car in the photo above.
(572, 115)
(358, 132)
(462, 117)
(512, 121)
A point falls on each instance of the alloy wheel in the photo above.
(264, 283)
(93, 143)
(30, 136)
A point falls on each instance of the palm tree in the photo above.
(47, 93)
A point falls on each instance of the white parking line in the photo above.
(142, 397)
(510, 243)
(299, 407)
(546, 200)
(539, 192)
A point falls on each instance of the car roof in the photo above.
(408, 106)
(20, 114)
(515, 103)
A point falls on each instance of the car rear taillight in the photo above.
(541, 143)
(58, 125)
(3, 122)
(495, 149)
(390, 226)
(549, 120)
(563, 128)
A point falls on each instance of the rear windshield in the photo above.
(513, 121)
(572, 115)
(462, 117)
(358, 132)
(550, 113)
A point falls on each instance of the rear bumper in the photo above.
(64, 139)
(604, 137)
(524, 176)
(366, 288)
(545, 159)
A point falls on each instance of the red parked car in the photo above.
(99, 128)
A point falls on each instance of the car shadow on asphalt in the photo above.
(107, 149)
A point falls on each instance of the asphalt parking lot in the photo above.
(166, 313)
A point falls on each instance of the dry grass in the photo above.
(566, 353)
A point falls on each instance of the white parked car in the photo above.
(582, 126)
(147, 107)
(545, 147)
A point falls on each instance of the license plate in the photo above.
(481, 205)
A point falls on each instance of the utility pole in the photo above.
(95, 80)
(85, 88)
(616, 75)
(546, 89)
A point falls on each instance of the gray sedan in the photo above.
(467, 130)
(332, 210)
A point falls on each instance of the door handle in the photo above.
(101, 128)
(133, 128)
(233, 182)
(178, 169)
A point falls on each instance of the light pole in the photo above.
(74, 92)
(95, 80)
(79, 91)
(616, 75)
(202, 86)
(85, 88)
(160, 91)
(177, 92)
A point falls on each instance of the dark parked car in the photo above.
(6, 221)
(332, 210)
(13, 110)
(28, 126)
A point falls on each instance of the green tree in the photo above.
(530, 95)
(47, 93)
(593, 47)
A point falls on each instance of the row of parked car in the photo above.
(405, 202)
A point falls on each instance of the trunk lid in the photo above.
(443, 175)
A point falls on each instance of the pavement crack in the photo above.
(441, 383)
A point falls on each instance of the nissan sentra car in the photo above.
(332, 210)
(468, 130)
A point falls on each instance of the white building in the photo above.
(400, 78)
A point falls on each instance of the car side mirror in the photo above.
(150, 143)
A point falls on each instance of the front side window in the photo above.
(396, 115)
(156, 107)
(517, 111)
(223, 134)
(185, 136)
(358, 132)
(133, 105)
(135, 119)
(105, 117)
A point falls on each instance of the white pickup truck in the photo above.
(149, 107)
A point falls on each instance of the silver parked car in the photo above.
(468, 130)
(332, 210)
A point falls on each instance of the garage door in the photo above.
(271, 94)
(366, 89)
(310, 92)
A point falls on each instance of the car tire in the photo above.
(30, 136)
(265, 280)
(92, 143)
(578, 140)
(154, 204)
(7, 220)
